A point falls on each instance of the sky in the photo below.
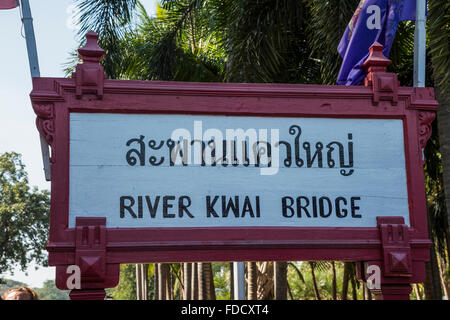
(55, 33)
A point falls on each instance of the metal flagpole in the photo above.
(420, 44)
(239, 280)
(34, 70)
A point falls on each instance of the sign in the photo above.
(148, 171)
(159, 170)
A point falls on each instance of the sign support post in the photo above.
(33, 60)
(420, 44)
(239, 280)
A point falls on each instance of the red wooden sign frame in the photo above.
(399, 250)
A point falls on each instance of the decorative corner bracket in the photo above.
(89, 75)
(425, 120)
(395, 246)
(90, 250)
(45, 122)
(384, 84)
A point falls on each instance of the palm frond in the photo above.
(297, 270)
(263, 37)
(439, 43)
(328, 20)
(105, 16)
(111, 20)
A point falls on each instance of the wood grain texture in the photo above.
(100, 174)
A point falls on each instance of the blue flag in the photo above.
(373, 20)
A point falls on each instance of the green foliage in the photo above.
(301, 284)
(434, 182)
(174, 46)
(50, 292)
(266, 41)
(126, 289)
(222, 280)
(24, 216)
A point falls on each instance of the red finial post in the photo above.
(89, 75)
(91, 52)
(384, 84)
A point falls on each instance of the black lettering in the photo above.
(258, 210)
(152, 208)
(166, 206)
(285, 207)
(247, 208)
(340, 213)
(124, 207)
(140, 211)
(314, 206)
(210, 207)
(226, 206)
(301, 208)
(184, 207)
(322, 207)
(354, 207)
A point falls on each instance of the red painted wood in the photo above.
(93, 294)
(393, 292)
(55, 98)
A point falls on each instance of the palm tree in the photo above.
(187, 278)
(252, 276)
(439, 44)
(312, 266)
(194, 282)
(265, 282)
(280, 279)
(334, 281)
(163, 274)
(205, 281)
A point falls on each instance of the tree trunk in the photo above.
(417, 291)
(432, 284)
(280, 279)
(313, 277)
(163, 278)
(194, 281)
(169, 285)
(138, 282)
(187, 279)
(212, 288)
(202, 294)
(367, 295)
(354, 291)
(156, 271)
(231, 280)
(441, 268)
(265, 280)
(346, 277)
(334, 282)
(204, 280)
(141, 281)
(252, 278)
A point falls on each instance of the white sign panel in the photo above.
(160, 170)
